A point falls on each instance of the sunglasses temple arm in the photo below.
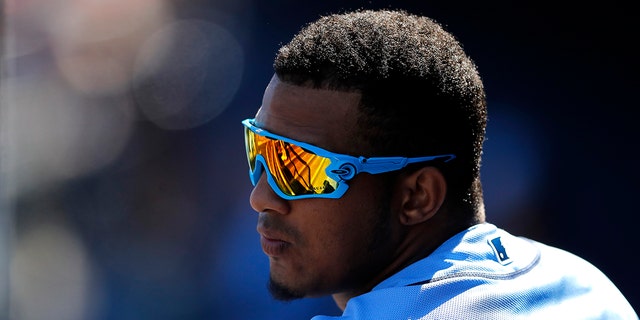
(380, 165)
(385, 164)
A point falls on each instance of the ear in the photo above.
(422, 195)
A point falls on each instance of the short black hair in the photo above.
(421, 93)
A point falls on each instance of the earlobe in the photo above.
(423, 193)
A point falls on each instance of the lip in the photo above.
(273, 247)
(273, 244)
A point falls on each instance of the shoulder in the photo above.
(487, 273)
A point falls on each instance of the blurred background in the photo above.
(123, 181)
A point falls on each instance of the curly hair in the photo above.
(421, 93)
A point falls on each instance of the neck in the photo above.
(417, 243)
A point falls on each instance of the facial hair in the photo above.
(380, 235)
(281, 292)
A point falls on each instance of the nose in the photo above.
(263, 198)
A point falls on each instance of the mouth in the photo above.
(273, 247)
(273, 243)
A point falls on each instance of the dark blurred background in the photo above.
(123, 181)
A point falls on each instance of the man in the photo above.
(365, 157)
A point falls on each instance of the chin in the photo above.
(282, 292)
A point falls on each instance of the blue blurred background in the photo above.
(123, 181)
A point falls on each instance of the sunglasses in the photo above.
(297, 170)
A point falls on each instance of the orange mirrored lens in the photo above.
(295, 170)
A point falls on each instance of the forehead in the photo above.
(321, 117)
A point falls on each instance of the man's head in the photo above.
(421, 94)
(372, 84)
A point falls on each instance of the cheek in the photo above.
(352, 221)
(335, 231)
(344, 232)
(346, 241)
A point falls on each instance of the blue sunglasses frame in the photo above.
(342, 168)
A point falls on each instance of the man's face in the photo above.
(321, 246)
